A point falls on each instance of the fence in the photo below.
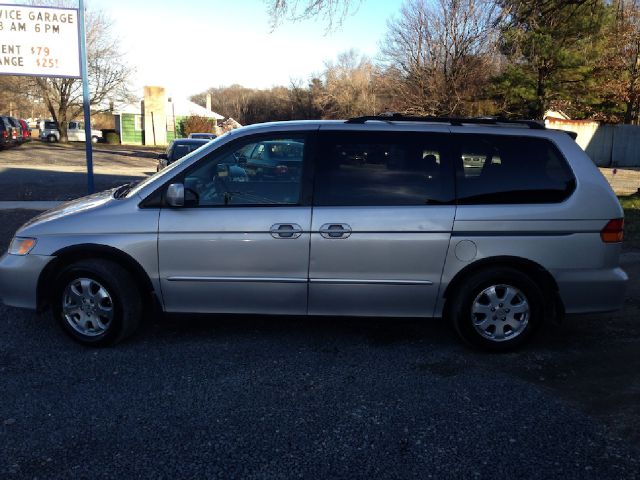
(607, 145)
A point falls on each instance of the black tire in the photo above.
(460, 308)
(124, 295)
(52, 139)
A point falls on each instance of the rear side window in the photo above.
(500, 169)
(381, 169)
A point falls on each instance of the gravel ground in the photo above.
(261, 397)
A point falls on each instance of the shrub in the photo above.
(197, 124)
(112, 138)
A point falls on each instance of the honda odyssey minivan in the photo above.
(497, 226)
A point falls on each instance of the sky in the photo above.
(188, 46)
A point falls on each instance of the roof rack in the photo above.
(455, 121)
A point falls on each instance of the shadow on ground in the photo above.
(22, 184)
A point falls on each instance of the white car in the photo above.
(75, 132)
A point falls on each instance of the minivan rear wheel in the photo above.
(497, 308)
(52, 139)
(96, 302)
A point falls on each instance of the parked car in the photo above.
(206, 136)
(17, 131)
(382, 220)
(26, 131)
(178, 149)
(8, 135)
(273, 158)
(50, 132)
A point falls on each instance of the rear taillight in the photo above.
(282, 169)
(5, 134)
(613, 231)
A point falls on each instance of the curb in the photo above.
(29, 205)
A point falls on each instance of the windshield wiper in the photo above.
(122, 190)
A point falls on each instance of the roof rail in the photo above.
(455, 121)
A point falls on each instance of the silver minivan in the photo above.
(496, 226)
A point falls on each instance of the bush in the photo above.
(196, 124)
(112, 138)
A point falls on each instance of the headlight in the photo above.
(21, 245)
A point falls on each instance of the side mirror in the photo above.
(163, 156)
(175, 195)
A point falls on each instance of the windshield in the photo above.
(168, 171)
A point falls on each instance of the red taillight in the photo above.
(5, 134)
(613, 231)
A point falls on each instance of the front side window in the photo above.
(381, 169)
(501, 169)
(241, 176)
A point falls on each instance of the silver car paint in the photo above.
(397, 261)
(227, 260)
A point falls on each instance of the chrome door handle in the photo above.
(335, 230)
(286, 230)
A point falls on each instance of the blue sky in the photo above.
(190, 45)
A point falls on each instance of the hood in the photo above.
(67, 209)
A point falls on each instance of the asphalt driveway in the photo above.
(29, 171)
(264, 397)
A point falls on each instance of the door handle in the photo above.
(286, 230)
(335, 230)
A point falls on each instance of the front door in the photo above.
(382, 219)
(242, 244)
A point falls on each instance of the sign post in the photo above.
(86, 102)
(47, 42)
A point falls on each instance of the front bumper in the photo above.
(590, 291)
(19, 279)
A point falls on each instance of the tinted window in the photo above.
(179, 150)
(504, 169)
(233, 178)
(383, 169)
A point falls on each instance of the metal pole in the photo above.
(85, 98)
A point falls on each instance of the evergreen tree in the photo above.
(552, 48)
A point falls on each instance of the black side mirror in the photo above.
(163, 156)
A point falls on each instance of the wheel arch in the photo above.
(540, 275)
(73, 253)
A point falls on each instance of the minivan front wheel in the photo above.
(96, 302)
(497, 308)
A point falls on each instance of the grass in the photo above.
(631, 205)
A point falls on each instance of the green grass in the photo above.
(631, 205)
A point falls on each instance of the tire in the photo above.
(94, 139)
(91, 318)
(511, 322)
(52, 139)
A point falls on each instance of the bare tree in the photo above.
(108, 77)
(332, 12)
(439, 55)
(348, 87)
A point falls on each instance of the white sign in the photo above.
(39, 41)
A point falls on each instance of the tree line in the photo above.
(513, 58)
